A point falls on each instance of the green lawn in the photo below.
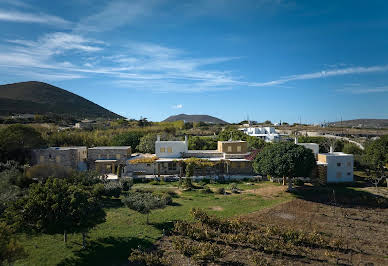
(110, 242)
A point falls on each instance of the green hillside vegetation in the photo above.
(34, 97)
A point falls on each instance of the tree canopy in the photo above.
(143, 202)
(285, 159)
(16, 141)
(376, 157)
(56, 206)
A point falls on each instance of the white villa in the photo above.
(337, 167)
(268, 134)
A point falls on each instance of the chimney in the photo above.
(158, 138)
(331, 149)
(296, 140)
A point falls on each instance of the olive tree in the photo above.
(285, 159)
(56, 206)
(376, 157)
(144, 202)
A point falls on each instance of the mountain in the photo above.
(362, 123)
(35, 97)
(195, 118)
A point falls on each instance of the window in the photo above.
(58, 159)
(238, 148)
(171, 166)
(349, 164)
(349, 173)
(169, 150)
(41, 159)
(118, 156)
(338, 164)
(229, 148)
(339, 175)
(162, 149)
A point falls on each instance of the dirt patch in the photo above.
(362, 230)
(267, 191)
(216, 208)
(350, 235)
(285, 215)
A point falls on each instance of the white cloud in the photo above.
(40, 18)
(178, 106)
(323, 74)
(116, 14)
(354, 90)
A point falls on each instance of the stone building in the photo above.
(70, 157)
(106, 159)
(232, 154)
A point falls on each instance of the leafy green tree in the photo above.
(131, 138)
(16, 142)
(285, 159)
(143, 122)
(143, 202)
(376, 157)
(147, 143)
(56, 207)
(255, 143)
(10, 249)
(351, 148)
(202, 143)
(231, 133)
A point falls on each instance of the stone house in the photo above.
(70, 157)
(107, 159)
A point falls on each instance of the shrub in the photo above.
(206, 190)
(10, 250)
(127, 184)
(167, 198)
(147, 258)
(199, 251)
(220, 190)
(43, 171)
(98, 190)
(112, 189)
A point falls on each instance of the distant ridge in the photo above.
(362, 123)
(195, 118)
(33, 97)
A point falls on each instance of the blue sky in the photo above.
(277, 60)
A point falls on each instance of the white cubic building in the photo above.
(267, 134)
(338, 166)
(170, 149)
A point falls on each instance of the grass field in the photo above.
(110, 243)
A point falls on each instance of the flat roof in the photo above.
(105, 161)
(110, 148)
(204, 151)
(232, 141)
(336, 154)
(67, 148)
(161, 160)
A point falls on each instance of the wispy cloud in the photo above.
(40, 18)
(116, 14)
(322, 74)
(178, 106)
(355, 90)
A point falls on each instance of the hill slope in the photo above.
(362, 123)
(34, 97)
(195, 118)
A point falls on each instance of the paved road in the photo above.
(345, 138)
